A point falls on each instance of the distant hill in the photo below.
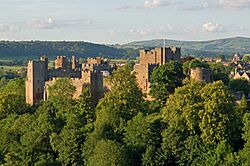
(210, 48)
(23, 50)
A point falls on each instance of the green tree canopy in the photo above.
(60, 93)
(165, 79)
(239, 85)
(108, 153)
(246, 58)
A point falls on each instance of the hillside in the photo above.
(226, 46)
(33, 49)
(23, 50)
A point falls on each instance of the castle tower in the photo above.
(149, 60)
(36, 77)
(201, 74)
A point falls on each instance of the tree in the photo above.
(15, 86)
(108, 153)
(143, 138)
(182, 108)
(85, 108)
(60, 93)
(215, 117)
(193, 151)
(78, 124)
(221, 72)
(69, 142)
(62, 88)
(246, 58)
(35, 142)
(196, 63)
(165, 79)
(11, 104)
(221, 155)
(239, 85)
(119, 105)
(124, 100)
(246, 136)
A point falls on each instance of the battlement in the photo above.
(160, 55)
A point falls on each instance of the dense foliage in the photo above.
(34, 49)
(198, 124)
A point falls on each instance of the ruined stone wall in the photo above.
(143, 73)
(93, 61)
(39, 77)
(61, 62)
(202, 74)
(64, 73)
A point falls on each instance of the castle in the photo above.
(149, 60)
(89, 74)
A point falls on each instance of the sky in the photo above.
(123, 21)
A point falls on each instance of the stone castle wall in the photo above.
(39, 77)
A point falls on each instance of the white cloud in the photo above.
(126, 7)
(158, 3)
(164, 30)
(151, 4)
(7, 27)
(113, 32)
(213, 27)
(48, 23)
(234, 4)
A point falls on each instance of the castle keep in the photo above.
(89, 74)
(149, 60)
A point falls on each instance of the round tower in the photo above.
(201, 74)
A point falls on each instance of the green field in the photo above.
(11, 68)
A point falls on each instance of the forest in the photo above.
(188, 123)
(25, 50)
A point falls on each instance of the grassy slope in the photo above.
(222, 46)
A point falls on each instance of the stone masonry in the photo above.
(149, 60)
(90, 75)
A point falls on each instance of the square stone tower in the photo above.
(149, 60)
(36, 76)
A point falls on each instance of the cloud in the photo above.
(126, 7)
(47, 23)
(234, 4)
(164, 30)
(158, 3)
(7, 27)
(213, 27)
(151, 4)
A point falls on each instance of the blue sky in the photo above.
(122, 21)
